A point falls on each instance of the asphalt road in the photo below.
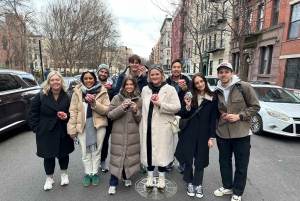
(274, 173)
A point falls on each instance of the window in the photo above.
(295, 22)
(263, 63)
(168, 43)
(210, 67)
(214, 41)
(7, 82)
(260, 18)
(220, 61)
(270, 59)
(4, 42)
(222, 45)
(249, 21)
(291, 79)
(168, 52)
(16, 60)
(276, 12)
(35, 56)
(225, 9)
(29, 79)
(236, 62)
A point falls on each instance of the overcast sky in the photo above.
(139, 22)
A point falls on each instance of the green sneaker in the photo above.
(143, 169)
(87, 180)
(95, 179)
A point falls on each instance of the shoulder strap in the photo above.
(198, 109)
(239, 86)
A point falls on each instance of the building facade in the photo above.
(165, 44)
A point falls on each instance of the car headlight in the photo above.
(278, 115)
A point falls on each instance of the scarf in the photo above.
(90, 130)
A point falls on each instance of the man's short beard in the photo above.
(102, 80)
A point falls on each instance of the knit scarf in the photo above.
(90, 130)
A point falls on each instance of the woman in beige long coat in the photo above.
(160, 103)
(126, 112)
(88, 121)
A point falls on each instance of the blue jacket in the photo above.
(141, 81)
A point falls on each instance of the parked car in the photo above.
(212, 81)
(77, 77)
(16, 90)
(279, 113)
(71, 82)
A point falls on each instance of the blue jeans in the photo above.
(114, 180)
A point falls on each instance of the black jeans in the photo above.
(49, 164)
(240, 147)
(195, 178)
(104, 150)
(160, 169)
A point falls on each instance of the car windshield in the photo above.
(66, 80)
(277, 95)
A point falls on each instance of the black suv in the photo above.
(16, 90)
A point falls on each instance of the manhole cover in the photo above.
(155, 193)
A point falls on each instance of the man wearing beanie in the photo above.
(103, 76)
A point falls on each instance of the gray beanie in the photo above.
(101, 66)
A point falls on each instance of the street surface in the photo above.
(274, 173)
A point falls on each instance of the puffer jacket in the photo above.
(125, 138)
(76, 123)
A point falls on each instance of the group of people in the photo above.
(138, 116)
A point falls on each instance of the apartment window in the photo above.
(210, 67)
(214, 41)
(189, 53)
(168, 43)
(222, 45)
(168, 52)
(236, 62)
(270, 59)
(260, 18)
(220, 61)
(276, 12)
(225, 9)
(16, 60)
(295, 22)
(292, 72)
(250, 14)
(263, 62)
(35, 56)
(4, 43)
(209, 42)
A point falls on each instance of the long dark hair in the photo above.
(135, 92)
(195, 91)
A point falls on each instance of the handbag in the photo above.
(183, 122)
(174, 123)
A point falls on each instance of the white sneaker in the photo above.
(48, 184)
(190, 190)
(199, 191)
(161, 182)
(104, 167)
(112, 190)
(64, 179)
(236, 198)
(127, 182)
(149, 182)
(222, 191)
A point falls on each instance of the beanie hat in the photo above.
(101, 66)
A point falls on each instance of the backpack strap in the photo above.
(239, 86)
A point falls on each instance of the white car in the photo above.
(279, 113)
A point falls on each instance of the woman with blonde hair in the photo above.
(160, 103)
(48, 117)
(88, 122)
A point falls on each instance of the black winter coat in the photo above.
(52, 139)
(194, 138)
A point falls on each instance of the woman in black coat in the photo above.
(48, 117)
(198, 136)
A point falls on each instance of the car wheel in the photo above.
(257, 125)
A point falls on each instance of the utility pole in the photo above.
(40, 47)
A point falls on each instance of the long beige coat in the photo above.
(77, 114)
(162, 136)
(125, 138)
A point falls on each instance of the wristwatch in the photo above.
(241, 117)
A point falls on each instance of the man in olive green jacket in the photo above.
(237, 104)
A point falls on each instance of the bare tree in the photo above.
(17, 15)
(76, 31)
